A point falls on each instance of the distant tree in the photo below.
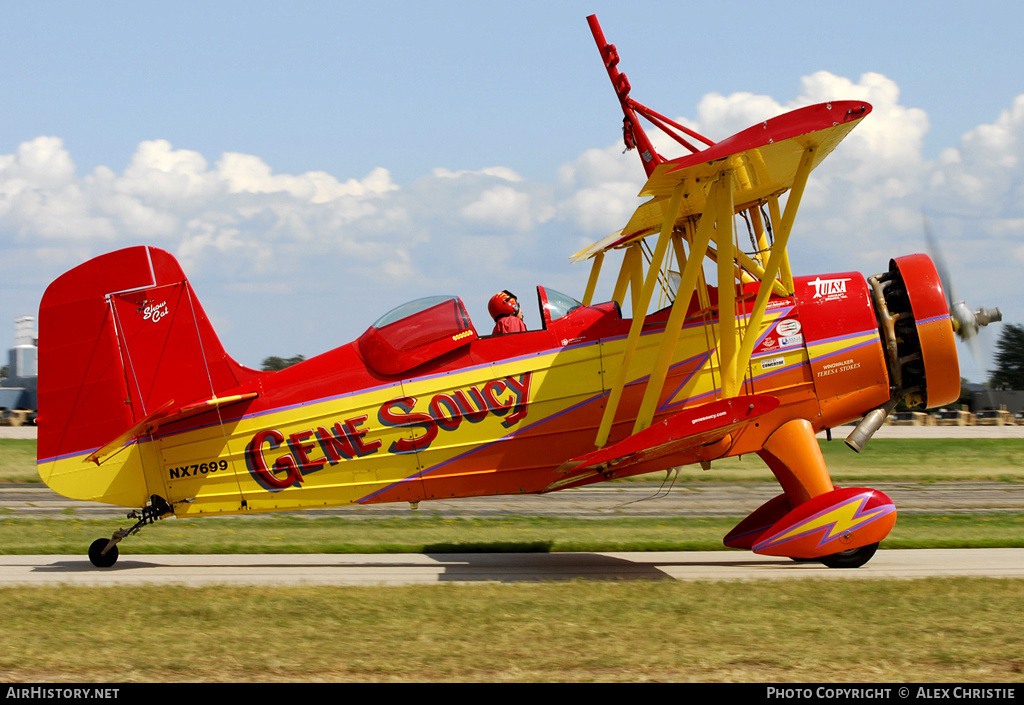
(964, 400)
(3, 371)
(1009, 372)
(273, 364)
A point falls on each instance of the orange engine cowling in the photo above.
(918, 333)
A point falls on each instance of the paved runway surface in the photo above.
(410, 569)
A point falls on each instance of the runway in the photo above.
(419, 569)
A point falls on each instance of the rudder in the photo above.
(121, 336)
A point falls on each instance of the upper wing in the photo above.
(764, 160)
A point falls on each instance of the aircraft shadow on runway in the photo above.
(509, 567)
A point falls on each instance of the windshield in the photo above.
(559, 304)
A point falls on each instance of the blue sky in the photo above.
(314, 164)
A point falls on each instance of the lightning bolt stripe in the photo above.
(831, 523)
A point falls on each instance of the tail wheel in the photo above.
(100, 559)
(854, 558)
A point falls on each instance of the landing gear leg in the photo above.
(103, 553)
(794, 457)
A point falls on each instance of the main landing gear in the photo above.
(812, 520)
(854, 558)
(103, 553)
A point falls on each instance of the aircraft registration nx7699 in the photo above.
(140, 405)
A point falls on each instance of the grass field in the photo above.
(894, 459)
(924, 631)
(18, 460)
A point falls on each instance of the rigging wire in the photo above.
(662, 490)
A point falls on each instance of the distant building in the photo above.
(18, 390)
(991, 399)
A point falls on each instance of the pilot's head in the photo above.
(502, 304)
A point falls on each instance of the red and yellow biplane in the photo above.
(140, 405)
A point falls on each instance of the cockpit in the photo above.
(422, 330)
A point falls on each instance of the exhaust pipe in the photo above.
(871, 422)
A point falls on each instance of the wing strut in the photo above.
(734, 346)
(778, 256)
(615, 395)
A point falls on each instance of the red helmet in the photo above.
(503, 303)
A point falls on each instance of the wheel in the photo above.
(854, 558)
(96, 556)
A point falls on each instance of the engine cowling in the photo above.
(917, 332)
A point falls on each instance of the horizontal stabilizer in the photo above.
(689, 429)
(164, 415)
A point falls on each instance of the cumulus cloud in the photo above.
(601, 187)
(984, 170)
(372, 244)
(500, 172)
(42, 162)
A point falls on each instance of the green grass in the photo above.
(431, 534)
(892, 459)
(18, 460)
(829, 631)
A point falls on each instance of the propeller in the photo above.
(965, 321)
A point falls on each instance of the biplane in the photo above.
(140, 405)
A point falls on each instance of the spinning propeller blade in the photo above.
(965, 321)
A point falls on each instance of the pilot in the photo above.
(508, 317)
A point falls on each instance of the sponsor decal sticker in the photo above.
(829, 289)
(788, 327)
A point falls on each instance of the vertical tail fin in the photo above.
(121, 336)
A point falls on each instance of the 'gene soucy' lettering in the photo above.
(310, 450)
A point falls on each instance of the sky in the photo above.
(313, 164)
